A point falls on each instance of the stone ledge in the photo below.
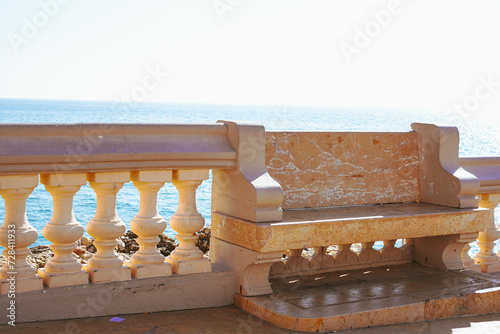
(176, 292)
(307, 228)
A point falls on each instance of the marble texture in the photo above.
(319, 169)
(344, 225)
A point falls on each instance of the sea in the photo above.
(478, 137)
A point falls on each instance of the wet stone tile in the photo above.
(327, 298)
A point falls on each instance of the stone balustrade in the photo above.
(63, 230)
(328, 197)
(66, 157)
(341, 257)
(487, 170)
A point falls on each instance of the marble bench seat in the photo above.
(436, 236)
(316, 227)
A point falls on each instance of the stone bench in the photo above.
(341, 193)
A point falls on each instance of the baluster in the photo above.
(345, 256)
(187, 258)
(316, 261)
(297, 263)
(368, 254)
(389, 252)
(15, 190)
(486, 258)
(328, 260)
(106, 227)
(63, 230)
(148, 224)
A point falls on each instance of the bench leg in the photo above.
(443, 252)
(251, 267)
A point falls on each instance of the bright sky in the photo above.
(412, 55)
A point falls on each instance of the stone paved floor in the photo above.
(320, 295)
(232, 320)
(374, 296)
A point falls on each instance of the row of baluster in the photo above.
(63, 230)
(485, 260)
(364, 255)
(342, 257)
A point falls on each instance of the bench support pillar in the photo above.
(443, 252)
(251, 267)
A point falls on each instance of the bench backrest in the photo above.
(322, 169)
(294, 170)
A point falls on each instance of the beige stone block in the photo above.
(344, 225)
(285, 321)
(105, 177)
(190, 175)
(309, 325)
(18, 181)
(184, 267)
(154, 294)
(247, 191)
(494, 197)
(57, 180)
(321, 169)
(22, 285)
(370, 312)
(481, 302)
(394, 315)
(486, 268)
(442, 252)
(144, 270)
(240, 301)
(256, 309)
(107, 275)
(108, 147)
(443, 181)
(258, 199)
(252, 268)
(335, 323)
(280, 314)
(379, 312)
(151, 176)
(442, 308)
(54, 280)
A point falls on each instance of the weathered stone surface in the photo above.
(318, 169)
(345, 225)
(154, 294)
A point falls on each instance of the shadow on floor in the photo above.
(232, 320)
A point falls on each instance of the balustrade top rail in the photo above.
(486, 169)
(72, 148)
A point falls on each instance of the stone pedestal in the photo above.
(187, 258)
(63, 230)
(16, 235)
(106, 227)
(148, 224)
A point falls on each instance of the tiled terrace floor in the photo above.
(370, 293)
(372, 297)
(232, 320)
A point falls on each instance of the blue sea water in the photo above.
(477, 139)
